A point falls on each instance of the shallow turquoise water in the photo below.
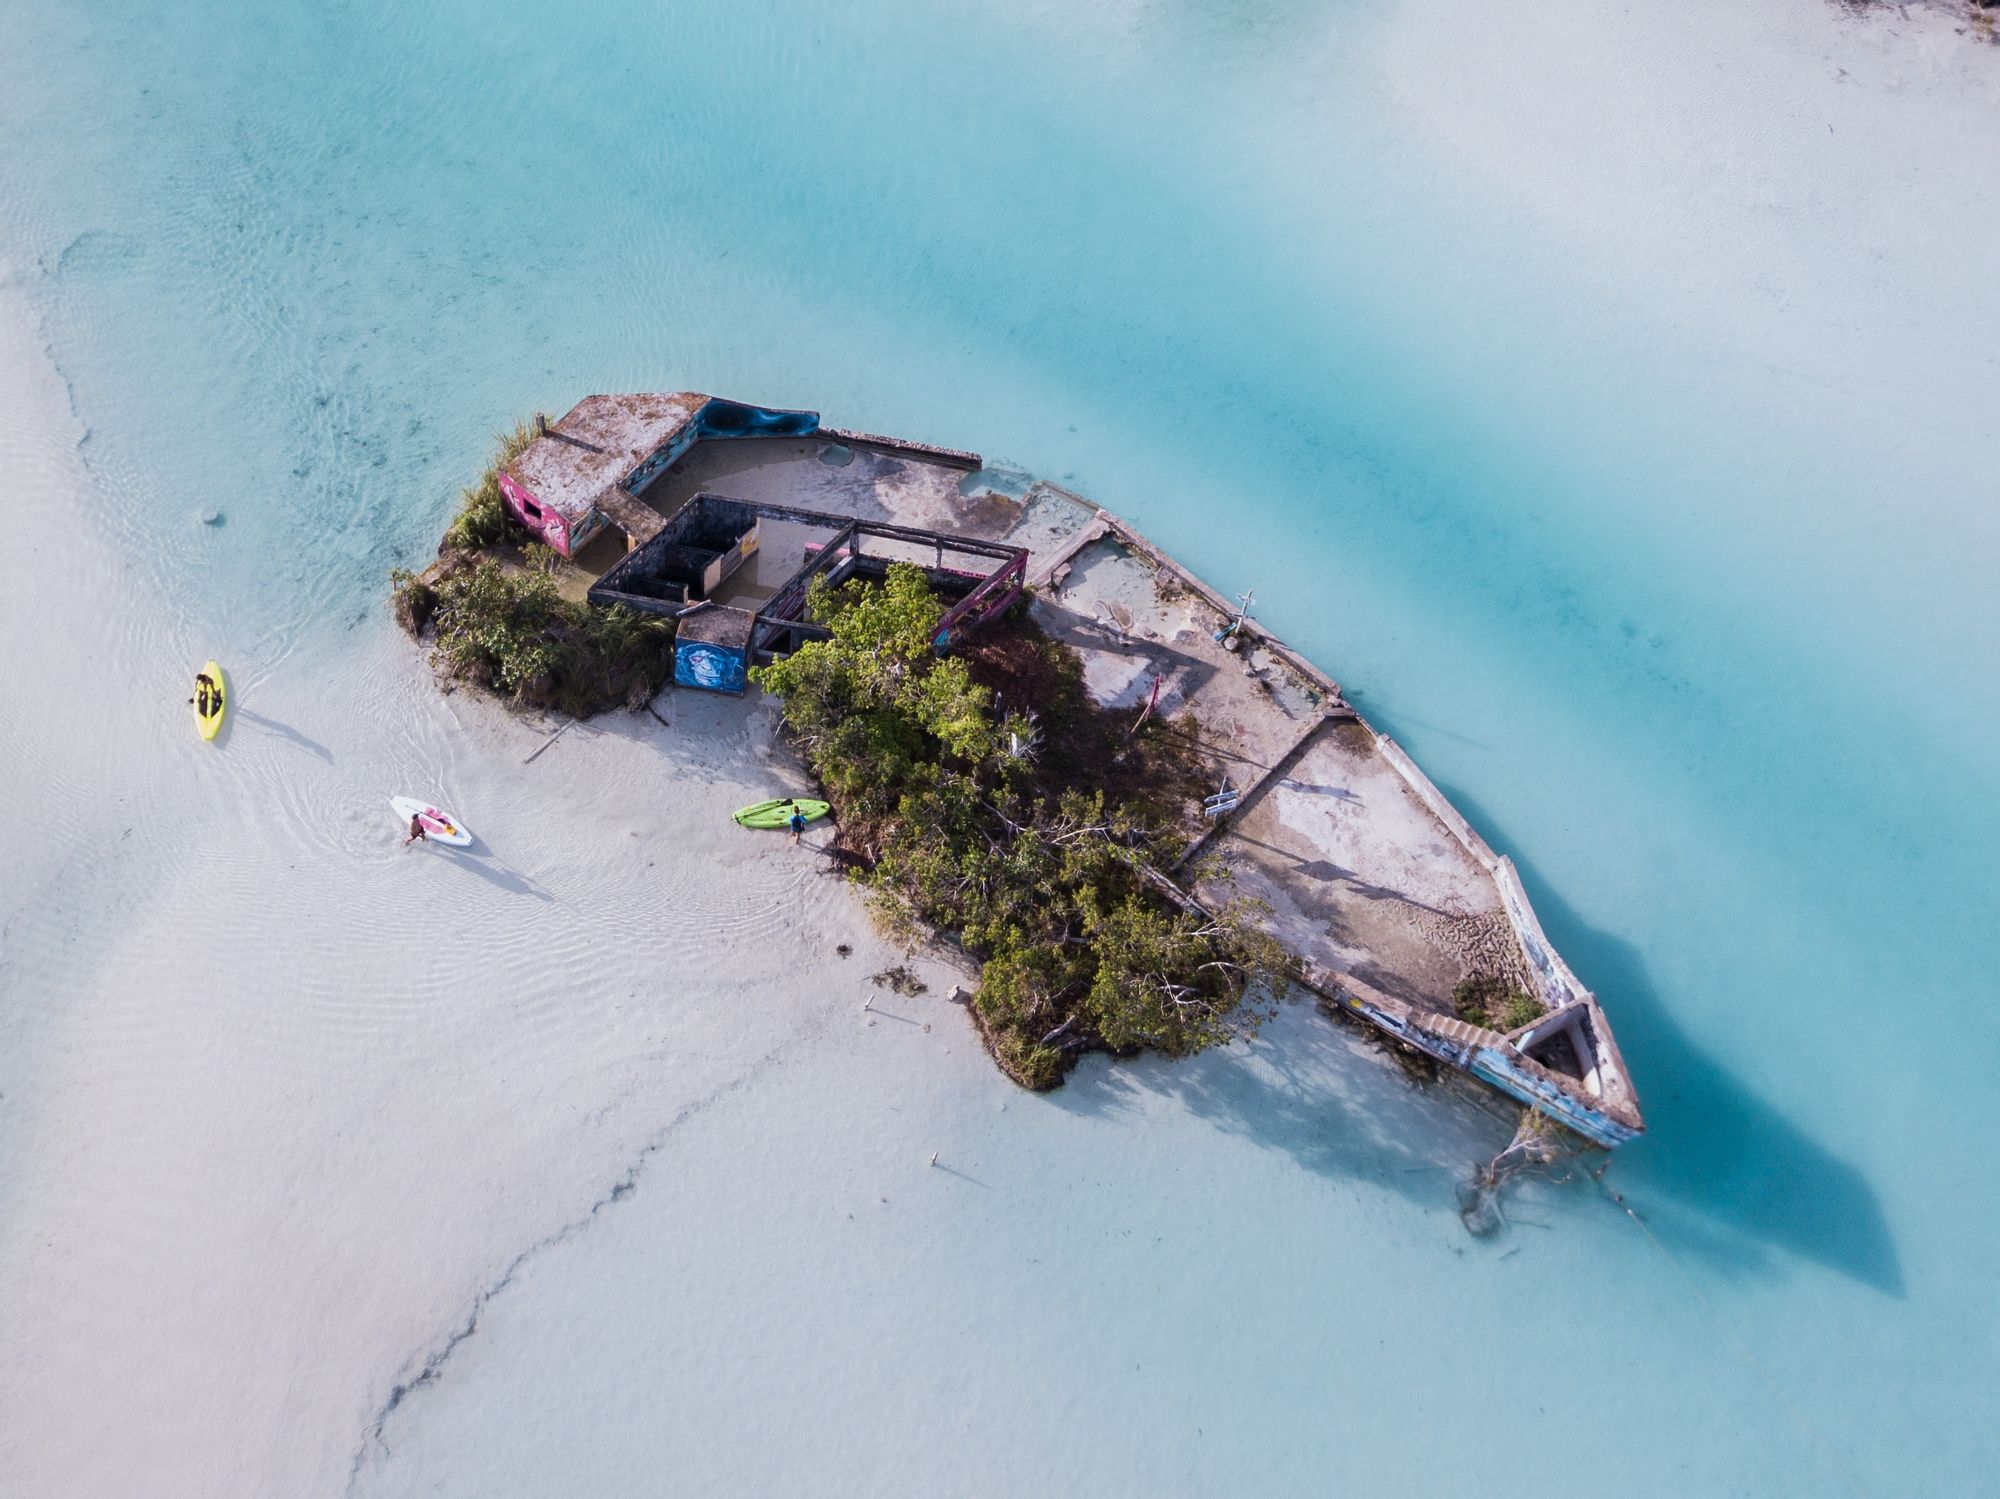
(1675, 630)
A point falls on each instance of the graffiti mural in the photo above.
(709, 667)
(541, 520)
(720, 418)
(663, 458)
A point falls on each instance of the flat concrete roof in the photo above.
(718, 624)
(596, 443)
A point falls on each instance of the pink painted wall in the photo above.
(541, 520)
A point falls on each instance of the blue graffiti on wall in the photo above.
(664, 458)
(720, 418)
(711, 668)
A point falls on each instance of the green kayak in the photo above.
(778, 814)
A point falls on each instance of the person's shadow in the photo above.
(500, 875)
(1721, 1174)
(286, 732)
(479, 859)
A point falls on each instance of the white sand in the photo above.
(269, 1127)
(291, 1113)
(273, 1133)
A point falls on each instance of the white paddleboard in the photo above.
(439, 827)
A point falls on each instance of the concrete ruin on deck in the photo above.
(1377, 885)
(687, 570)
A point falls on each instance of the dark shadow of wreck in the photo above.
(1311, 1088)
(1721, 1175)
(1721, 1178)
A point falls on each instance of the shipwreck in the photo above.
(720, 514)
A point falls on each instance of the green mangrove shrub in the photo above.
(1040, 874)
(413, 600)
(511, 631)
(483, 519)
(1488, 1000)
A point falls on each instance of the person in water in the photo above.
(796, 822)
(417, 833)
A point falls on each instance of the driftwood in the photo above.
(560, 731)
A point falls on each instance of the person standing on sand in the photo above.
(417, 833)
(796, 822)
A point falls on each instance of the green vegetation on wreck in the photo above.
(497, 619)
(1025, 830)
(1494, 1003)
(483, 519)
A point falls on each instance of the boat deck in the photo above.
(1358, 877)
(1361, 869)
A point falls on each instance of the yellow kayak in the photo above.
(210, 700)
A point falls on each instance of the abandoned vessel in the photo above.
(721, 514)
